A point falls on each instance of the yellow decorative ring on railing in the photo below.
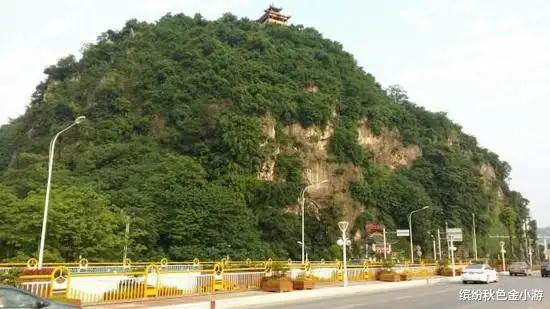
(218, 269)
(126, 262)
(32, 263)
(307, 266)
(322, 261)
(196, 262)
(164, 262)
(83, 263)
(268, 267)
(248, 261)
(289, 261)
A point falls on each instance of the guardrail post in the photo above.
(218, 277)
(339, 270)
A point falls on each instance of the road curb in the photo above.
(315, 294)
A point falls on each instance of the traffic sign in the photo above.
(402, 233)
(456, 234)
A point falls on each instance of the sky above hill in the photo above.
(485, 63)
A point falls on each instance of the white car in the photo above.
(479, 273)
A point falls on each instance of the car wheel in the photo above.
(464, 281)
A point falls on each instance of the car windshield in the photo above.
(518, 263)
(474, 266)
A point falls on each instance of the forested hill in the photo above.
(205, 132)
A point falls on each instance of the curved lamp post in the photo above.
(411, 232)
(78, 120)
(302, 202)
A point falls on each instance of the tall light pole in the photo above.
(474, 239)
(447, 238)
(411, 232)
(126, 235)
(526, 239)
(50, 166)
(452, 248)
(439, 243)
(343, 225)
(302, 202)
(434, 248)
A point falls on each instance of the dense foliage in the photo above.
(175, 140)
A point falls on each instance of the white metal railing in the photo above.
(40, 288)
(106, 288)
(243, 280)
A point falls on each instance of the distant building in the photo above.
(273, 15)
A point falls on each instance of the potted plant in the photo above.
(406, 275)
(388, 274)
(303, 283)
(278, 281)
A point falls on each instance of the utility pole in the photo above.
(439, 243)
(448, 247)
(452, 249)
(474, 238)
(527, 249)
(502, 251)
(385, 249)
(544, 237)
(302, 203)
(126, 237)
(434, 248)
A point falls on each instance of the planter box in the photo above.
(405, 277)
(449, 272)
(390, 277)
(303, 284)
(277, 285)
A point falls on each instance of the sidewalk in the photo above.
(253, 298)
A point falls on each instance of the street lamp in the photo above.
(78, 120)
(411, 232)
(474, 230)
(302, 202)
(343, 225)
(300, 243)
(434, 249)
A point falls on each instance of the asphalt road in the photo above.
(439, 296)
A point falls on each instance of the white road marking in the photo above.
(403, 297)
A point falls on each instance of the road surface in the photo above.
(442, 295)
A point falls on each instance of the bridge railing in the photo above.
(99, 284)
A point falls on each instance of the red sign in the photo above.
(374, 228)
(379, 248)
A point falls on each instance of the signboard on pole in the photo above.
(401, 233)
(456, 233)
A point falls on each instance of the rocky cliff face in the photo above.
(312, 145)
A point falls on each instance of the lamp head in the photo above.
(79, 119)
(343, 225)
(425, 207)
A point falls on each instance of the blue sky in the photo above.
(485, 63)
